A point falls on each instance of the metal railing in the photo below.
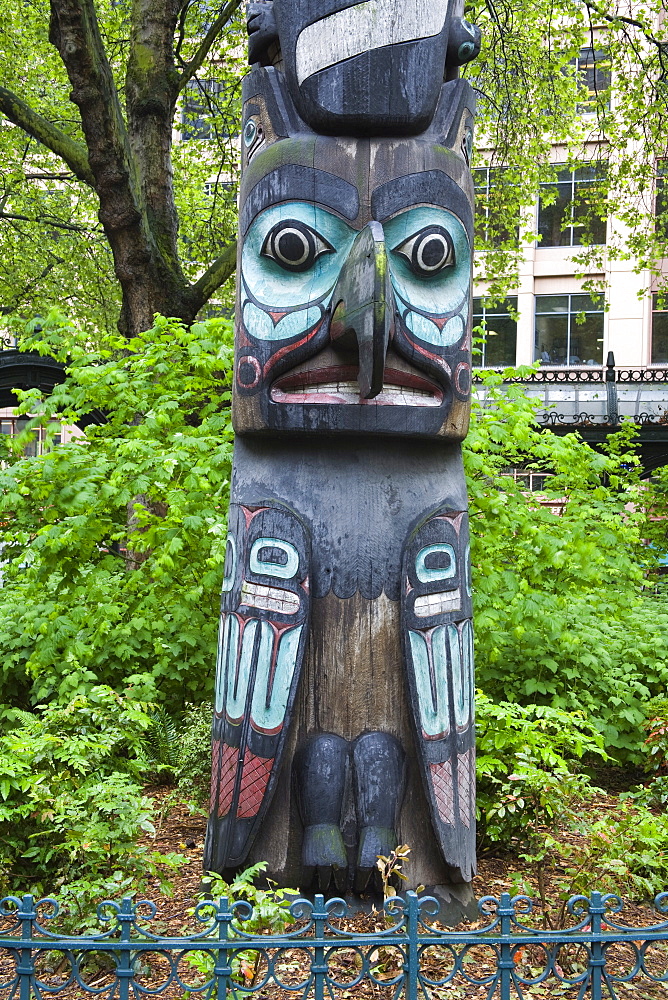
(410, 955)
(584, 375)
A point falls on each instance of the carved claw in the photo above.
(324, 854)
(374, 841)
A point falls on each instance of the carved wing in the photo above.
(438, 647)
(263, 629)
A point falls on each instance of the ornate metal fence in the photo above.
(322, 955)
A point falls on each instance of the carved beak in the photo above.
(363, 307)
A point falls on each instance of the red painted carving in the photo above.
(441, 776)
(254, 781)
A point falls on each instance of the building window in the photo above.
(593, 68)
(489, 229)
(499, 342)
(210, 109)
(568, 221)
(11, 426)
(659, 332)
(569, 330)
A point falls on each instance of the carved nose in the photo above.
(363, 306)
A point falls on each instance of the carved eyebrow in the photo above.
(362, 27)
(294, 182)
(429, 187)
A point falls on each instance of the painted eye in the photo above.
(250, 132)
(294, 245)
(428, 252)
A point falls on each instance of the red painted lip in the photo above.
(338, 386)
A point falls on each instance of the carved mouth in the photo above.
(339, 386)
(256, 595)
(437, 604)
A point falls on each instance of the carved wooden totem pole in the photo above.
(344, 690)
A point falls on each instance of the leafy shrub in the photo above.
(561, 616)
(72, 806)
(193, 772)
(271, 915)
(528, 769)
(114, 541)
(656, 741)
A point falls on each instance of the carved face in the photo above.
(354, 283)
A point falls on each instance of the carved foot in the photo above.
(320, 769)
(379, 773)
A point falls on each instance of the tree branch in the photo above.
(196, 62)
(49, 223)
(73, 153)
(213, 277)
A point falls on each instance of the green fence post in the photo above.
(318, 965)
(222, 967)
(124, 969)
(26, 966)
(597, 960)
(412, 966)
(506, 912)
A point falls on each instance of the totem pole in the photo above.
(344, 689)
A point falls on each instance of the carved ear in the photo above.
(268, 106)
(453, 122)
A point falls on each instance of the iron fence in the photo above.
(584, 375)
(502, 955)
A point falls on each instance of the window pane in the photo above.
(661, 199)
(587, 227)
(552, 218)
(659, 335)
(594, 68)
(568, 221)
(551, 339)
(585, 303)
(587, 340)
(499, 345)
(552, 303)
(500, 341)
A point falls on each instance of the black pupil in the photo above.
(433, 252)
(292, 247)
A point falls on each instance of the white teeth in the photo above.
(437, 604)
(255, 595)
(348, 392)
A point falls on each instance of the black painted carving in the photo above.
(351, 398)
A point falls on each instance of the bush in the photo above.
(193, 772)
(528, 768)
(114, 542)
(560, 612)
(72, 807)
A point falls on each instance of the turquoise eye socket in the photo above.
(428, 252)
(250, 132)
(294, 245)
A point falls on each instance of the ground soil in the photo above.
(183, 831)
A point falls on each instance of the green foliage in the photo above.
(561, 617)
(53, 248)
(114, 541)
(528, 770)
(71, 808)
(193, 772)
(656, 742)
(271, 915)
